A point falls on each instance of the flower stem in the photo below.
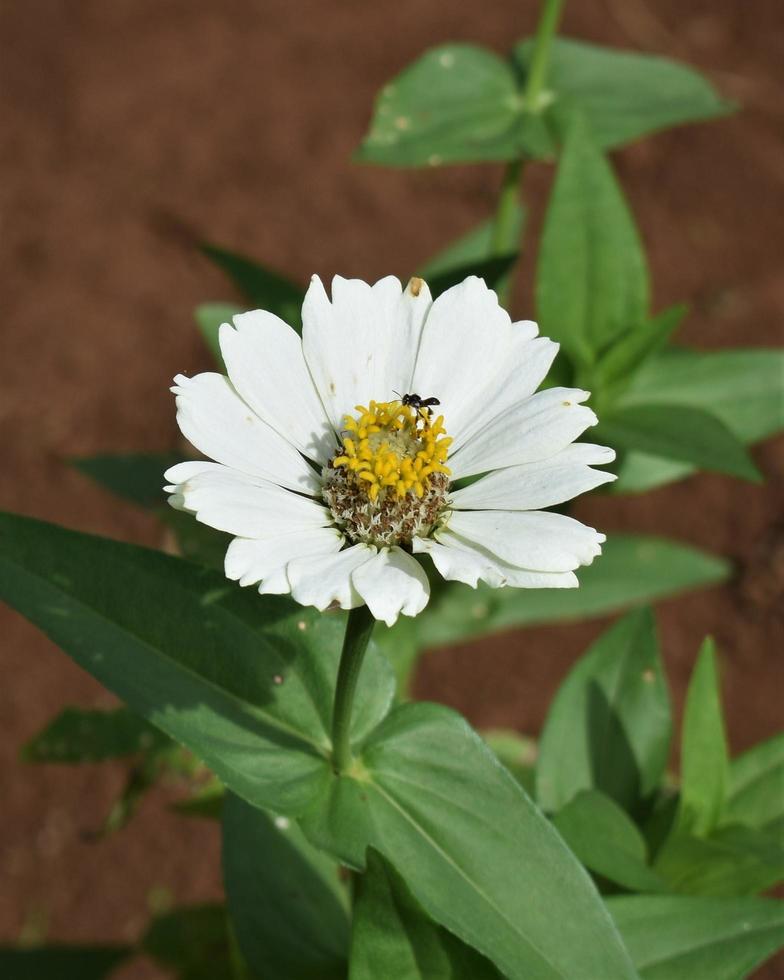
(358, 629)
(502, 238)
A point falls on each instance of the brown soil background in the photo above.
(239, 119)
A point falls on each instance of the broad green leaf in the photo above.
(209, 318)
(262, 287)
(494, 271)
(592, 280)
(607, 841)
(471, 248)
(516, 752)
(624, 94)
(677, 938)
(287, 904)
(731, 861)
(194, 941)
(616, 369)
(457, 103)
(477, 855)
(704, 760)
(740, 387)
(194, 540)
(679, 432)
(661, 568)
(137, 477)
(81, 735)
(393, 937)
(244, 681)
(61, 962)
(756, 786)
(609, 725)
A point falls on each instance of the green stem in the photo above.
(501, 240)
(358, 629)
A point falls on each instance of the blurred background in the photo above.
(132, 129)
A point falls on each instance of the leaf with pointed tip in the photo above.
(244, 681)
(756, 787)
(262, 287)
(617, 367)
(393, 937)
(474, 247)
(677, 938)
(592, 278)
(428, 794)
(287, 903)
(494, 271)
(609, 725)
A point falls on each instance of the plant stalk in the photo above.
(358, 629)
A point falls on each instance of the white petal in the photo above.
(249, 561)
(362, 345)
(523, 369)
(264, 359)
(392, 583)
(247, 506)
(532, 486)
(460, 561)
(535, 429)
(465, 340)
(213, 417)
(326, 579)
(536, 540)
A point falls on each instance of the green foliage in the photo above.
(609, 725)
(592, 279)
(209, 318)
(287, 903)
(473, 247)
(704, 760)
(262, 287)
(742, 388)
(678, 432)
(136, 477)
(195, 942)
(756, 787)
(516, 752)
(606, 840)
(393, 937)
(232, 675)
(61, 962)
(79, 735)
(460, 103)
(430, 797)
(676, 938)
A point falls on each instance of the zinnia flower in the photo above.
(336, 480)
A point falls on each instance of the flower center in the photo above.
(387, 483)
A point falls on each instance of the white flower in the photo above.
(334, 488)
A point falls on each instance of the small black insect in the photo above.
(415, 401)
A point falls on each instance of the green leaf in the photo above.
(81, 735)
(606, 840)
(262, 287)
(194, 941)
(457, 103)
(616, 369)
(609, 725)
(516, 752)
(661, 568)
(494, 271)
(393, 937)
(473, 247)
(592, 279)
(756, 786)
(740, 387)
(623, 94)
(679, 432)
(704, 760)
(731, 861)
(286, 901)
(476, 854)
(209, 318)
(244, 681)
(207, 802)
(61, 962)
(675, 938)
(137, 477)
